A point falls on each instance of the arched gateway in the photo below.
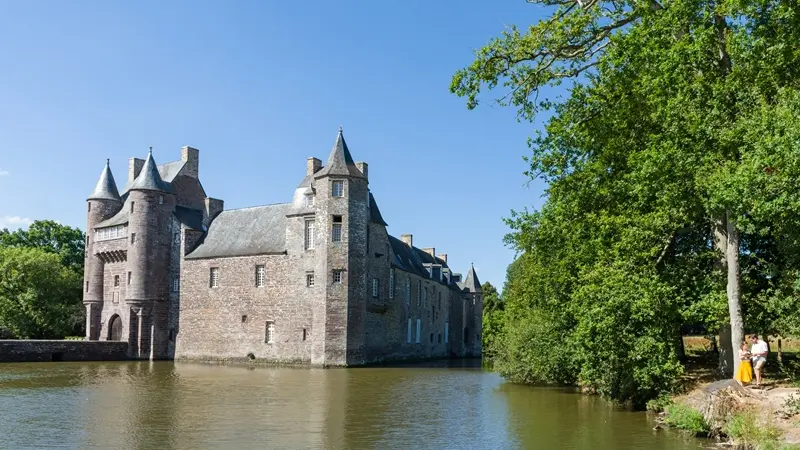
(115, 328)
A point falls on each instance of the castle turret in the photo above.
(473, 313)
(150, 206)
(102, 204)
(341, 221)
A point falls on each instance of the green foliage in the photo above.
(492, 318)
(40, 298)
(746, 428)
(659, 403)
(50, 236)
(678, 113)
(685, 418)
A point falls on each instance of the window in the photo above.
(133, 238)
(425, 297)
(431, 338)
(309, 234)
(408, 338)
(336, 229)
(90, 206)
(309, 200)
(439, 338)
(419, 292)
(129, 278)
(116, 280)
(419, 326)
(87, 286)
(375, 287)
(176, 284)
(260, 275)
(133, 207)
(104, 234)
(213, 280)
(309, 280)
(408, 293)
(160, 199)
(244, 318)
(305, 334)
(446, 331)
(269, 335)
(337, 276)
(115, 297)
(391, 283)
(337, 188)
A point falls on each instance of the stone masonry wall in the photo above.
(230, 321)
(45, 350)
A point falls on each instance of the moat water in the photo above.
(165, 405)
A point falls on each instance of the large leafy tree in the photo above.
(50, 236)
(668, 176)
(40, 298)
(492, 317)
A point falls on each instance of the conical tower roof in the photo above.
(340, 162)
(106, 188)
(471, 282)
(149, 178)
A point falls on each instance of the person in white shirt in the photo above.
(759, 352)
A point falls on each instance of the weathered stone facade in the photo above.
(315, 281)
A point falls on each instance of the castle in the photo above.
(315, 281)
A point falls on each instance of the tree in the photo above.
(492, 317)
(658, 116)
(50, 236)
(40, 298)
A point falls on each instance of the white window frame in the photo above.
(309, 234)
(337, 273)
(336, 232)
(408, 293)
(419, 293)
(269, 333)
(419, 329)
(309, 280)
(337, 192)
(176, 284)
(375, 287)
(213, 277)
(391, 283)
(309, 200)
(261, 275)
(108, 233)
(408, 337)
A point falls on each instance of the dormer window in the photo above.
(337, 189)
(160, 199)
(309, 200)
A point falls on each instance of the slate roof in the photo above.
(191, 218)
(241, 232)
(471, 282)
(340, 161)
(374, 212)
(412, 259)
(149, 178)
(106, 188)
(118, 218)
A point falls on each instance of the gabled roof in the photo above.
(471, 282)
(340, 162)
(191, 218)
(241, 232)
(106, 188)
(149, 179)
(412, 259)
(374, 212)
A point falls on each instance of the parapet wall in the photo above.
(46, 350)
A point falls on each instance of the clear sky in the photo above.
(258, 86)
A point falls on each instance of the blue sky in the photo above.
(258, 86)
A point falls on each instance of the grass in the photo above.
(745, 429)
(685, 418)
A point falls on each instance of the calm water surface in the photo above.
(194, 406)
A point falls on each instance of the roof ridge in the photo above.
(257, 206)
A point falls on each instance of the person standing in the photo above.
(745, 373)
(759, 352)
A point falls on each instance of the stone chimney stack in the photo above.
(134, 167)
(443, 257)
(313, 165)
(407, 239)
(213, 206)
(363, 168)
(191, 156)
(430, 250)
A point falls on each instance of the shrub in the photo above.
(686, 418)
(745, 429)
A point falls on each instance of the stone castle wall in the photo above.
(47, 350)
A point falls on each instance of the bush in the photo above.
(686, 418)
(745, 429)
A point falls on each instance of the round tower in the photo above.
(149, 205)
(102, 204)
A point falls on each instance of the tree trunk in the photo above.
(734, 294)
(725, 359)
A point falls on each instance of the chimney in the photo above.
(443, 257)
(191, 156)
(134, 167)
(430, 250)
(362, 167)
(407, 239)
(313, 165)
(213, 206)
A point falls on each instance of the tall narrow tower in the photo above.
(151, 204)
(103, 203)
(342, 217)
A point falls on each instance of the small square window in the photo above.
(116, 280)
(269, 337)
(337, 188)
(244, 318)
(129, 278)
(337, 276)
(133, 238)
(133, 207)
(309, 280)
(213, 277)
(309, 200)
(260, 275)
(305, 334)
(160, 199)
(176, 284)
